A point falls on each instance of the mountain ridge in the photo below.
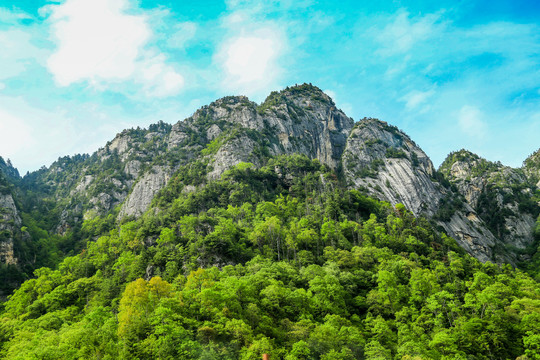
(122, 178)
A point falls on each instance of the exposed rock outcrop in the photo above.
(10, 222)
(388, 165)
(144, 191)
(500, 195)
(531, 167)
(384, 161)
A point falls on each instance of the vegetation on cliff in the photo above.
(280, 260)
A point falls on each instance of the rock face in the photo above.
(126, 174)
(144, 191)
(386, 162)
(388, 165)
(306, 121)
(10, 223)
(301, 120)
(10, 220)
(502, 197)
(531, 167)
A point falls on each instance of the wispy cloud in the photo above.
(18, 52)
(33, 136)
(11, 16)
(400, 35)
(416, 98)
(470, 120)
(447, 80)
(15, 134)
(466, 81)
(182, 33)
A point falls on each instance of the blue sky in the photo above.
(451, 74)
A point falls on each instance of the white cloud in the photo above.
(416, 98)
(15, 135)
(96, 40)
(250, 54)
(99, 42)
(250, 62)
(470, 120)
(2, 86)
(160, 79)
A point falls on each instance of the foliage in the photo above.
(278, 259)
(392, 152)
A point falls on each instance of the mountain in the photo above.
(122, 179)
(283, 228)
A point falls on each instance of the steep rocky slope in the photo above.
(503, 197)
(122, 179)
(10, 221)
(387, 164)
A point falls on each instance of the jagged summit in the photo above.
(463, 163)
(308, 93)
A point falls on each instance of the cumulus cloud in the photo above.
(250, 61)
(471, 121)
(100, 42)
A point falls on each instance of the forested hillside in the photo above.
(287, 263)
(283, 228)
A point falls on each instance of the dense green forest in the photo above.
(284, 262)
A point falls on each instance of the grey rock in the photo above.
(10, 221)
(231, 154)
(213, 132)
(388, 165)
(394, 179)
(144, 191)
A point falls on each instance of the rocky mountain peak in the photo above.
(389, 165)
(372, 155)
(234, 109)
(500, 195)
(463, 165)
(306, 94)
